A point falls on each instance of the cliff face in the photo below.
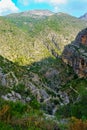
(75, 54)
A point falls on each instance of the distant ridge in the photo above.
(84, 17)
(34, 12)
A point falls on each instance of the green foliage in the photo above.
(78, 109)
(78, 99)
(19, 116)
(63, 126)
(17, 109)
(20, 88)
(34, 45)
(34, 103)
(4, 126)
(30, 39)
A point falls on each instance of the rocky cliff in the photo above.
(75, 54)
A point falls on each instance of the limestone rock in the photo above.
(11, 79)
(44, 94)
(8, 79)
(51, 73)
(5, 97)
(18, 96)
(64, 97)
(28, 99)
(13, 96)
(75, 54)
(2, 78)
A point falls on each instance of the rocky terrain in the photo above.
(41, 85)
(52, 31)
(33, 13)
(75, 54)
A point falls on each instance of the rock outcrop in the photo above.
(8, 79)
(75, 54)
(13, 96)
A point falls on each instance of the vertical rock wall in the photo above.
(75, 54)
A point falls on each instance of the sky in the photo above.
(73, 7)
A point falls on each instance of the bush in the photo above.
(4, 126)
(78, 109)
(78, 124)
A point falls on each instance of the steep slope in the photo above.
(21, 91)
(52, 31)
(49, 85)
(75, 54)
(33, 77)
(17, 46)
(41, 74)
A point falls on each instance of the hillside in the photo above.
(17, 46)
(33, 13)
(54, 29)
(40, 88)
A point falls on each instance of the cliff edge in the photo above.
(75, 54)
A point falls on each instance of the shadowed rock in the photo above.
(75, 54)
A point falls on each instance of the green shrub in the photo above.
(4, 126)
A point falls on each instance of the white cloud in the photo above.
(24, 2)
(56, 9)
(7, 6)
(52, 1)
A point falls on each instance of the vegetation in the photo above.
(18, 116)
(30, 49)
(49, 34)
(78, 124)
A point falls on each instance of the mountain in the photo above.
(83, 17)
(32, 13)
(54, 29)
(17, 46)
(40, 87)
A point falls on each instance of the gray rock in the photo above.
(64, 97)
(31, 86)
(13, 99)
(11, 79)
(13, 93)
(44, 94)
(28, 99)
(5, 97)
(9, 95)
(17, 95)
(2, 78)
(13, 96)
(51, 73)
(8, 80)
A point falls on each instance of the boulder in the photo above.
(28, 99)
(13, 96)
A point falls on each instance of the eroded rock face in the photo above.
(8, 79)
(14, 96)
(75, 54)
(82, 37)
